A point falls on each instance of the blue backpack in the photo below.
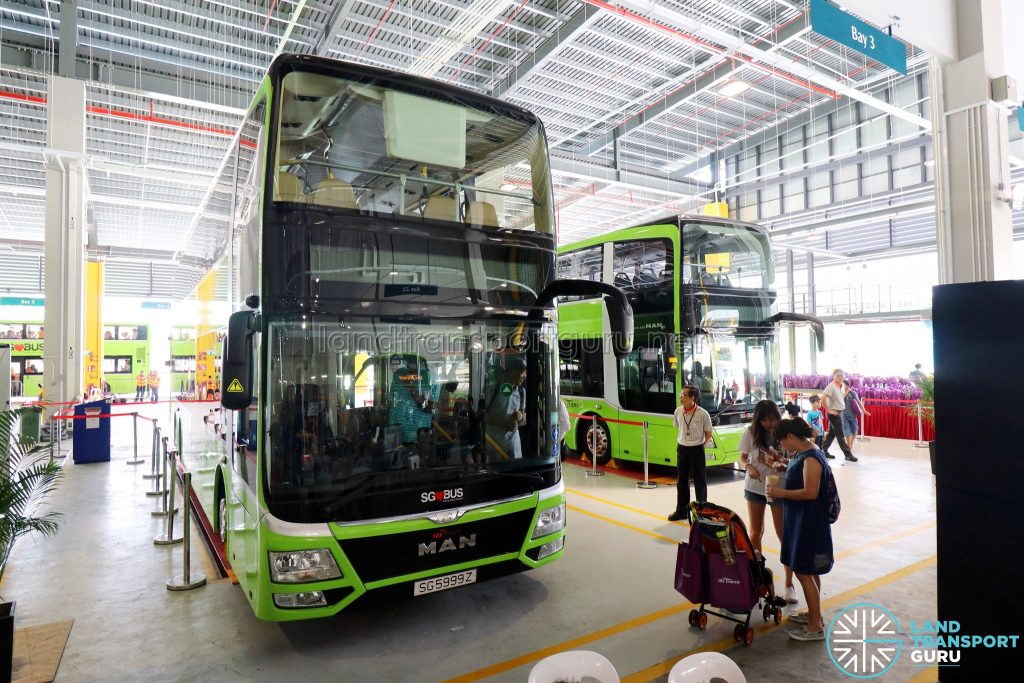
(832, 503)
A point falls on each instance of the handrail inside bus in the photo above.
(403, 177)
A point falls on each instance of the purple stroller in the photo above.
(718, 567)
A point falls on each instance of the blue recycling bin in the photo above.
(91, 434)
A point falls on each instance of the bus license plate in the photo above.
(440, 583)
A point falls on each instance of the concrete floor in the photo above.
(612, 592)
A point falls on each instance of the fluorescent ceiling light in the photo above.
(733, 88)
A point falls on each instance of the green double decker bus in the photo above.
(389, 377)
(26, 342)
(702, 291)
(125, 355)
(183, 360)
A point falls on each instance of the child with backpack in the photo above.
(810, 504)
(814, 416)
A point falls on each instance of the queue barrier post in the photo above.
(136, 460)
(167, 503)
(920, 430)
(168, 537)
(593, 471)
(160, 483)
(57, 427)
(186, 581)
(646, 483)
(153, 473)
(863, 427)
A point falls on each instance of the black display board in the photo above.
(979, 413)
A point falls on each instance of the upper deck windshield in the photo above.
(724, 255)
(365, 416)
(410, 152)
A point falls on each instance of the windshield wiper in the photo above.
(356, 489)
(535, 477)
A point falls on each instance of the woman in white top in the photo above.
(761, 459)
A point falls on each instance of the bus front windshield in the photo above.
(725, 255)
(384, 151)
(376, 408)
(732, 370)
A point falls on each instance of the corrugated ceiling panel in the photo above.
(21, 273)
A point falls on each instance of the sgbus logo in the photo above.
(444, 496)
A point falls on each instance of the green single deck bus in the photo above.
(391, 364)
(183, 359)
(125, 354)
(703, 295)
(26, 342)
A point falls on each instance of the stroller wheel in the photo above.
(778, 615)
(702, 621)
(692, 617)
(748, 636)
(739, 632)
(767, 612)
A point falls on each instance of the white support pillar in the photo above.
(975, 228)
(65, 239)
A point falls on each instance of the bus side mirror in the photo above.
(620, 313)
(236, 370)
(817, 326)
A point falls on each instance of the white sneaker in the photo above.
(803, 634)
(798, 617)
(791, 595)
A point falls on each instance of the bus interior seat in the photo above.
(289, 188)
(334, 192)
(622, 280)
(441, 208)
(483, 214)
(647, 276)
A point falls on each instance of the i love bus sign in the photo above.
(830, 21)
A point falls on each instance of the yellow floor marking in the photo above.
(773, 551)
(885, 539)
(529, 657)
(665, 667)
(624, 507)
(844, 598)
(645, 532)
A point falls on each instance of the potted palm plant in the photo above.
(27, 474)
(926, 403)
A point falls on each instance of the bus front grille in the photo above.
(386, 556)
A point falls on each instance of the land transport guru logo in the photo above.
(865, 641)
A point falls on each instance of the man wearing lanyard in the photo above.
(694, 430)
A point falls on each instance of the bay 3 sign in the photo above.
(830, 21)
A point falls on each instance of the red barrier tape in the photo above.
(90, 417)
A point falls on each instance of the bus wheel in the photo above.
(604, 441)
(222, 518)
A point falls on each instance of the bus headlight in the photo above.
(549, 521)
(551, 548)
(302, 566)
(291, 600)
